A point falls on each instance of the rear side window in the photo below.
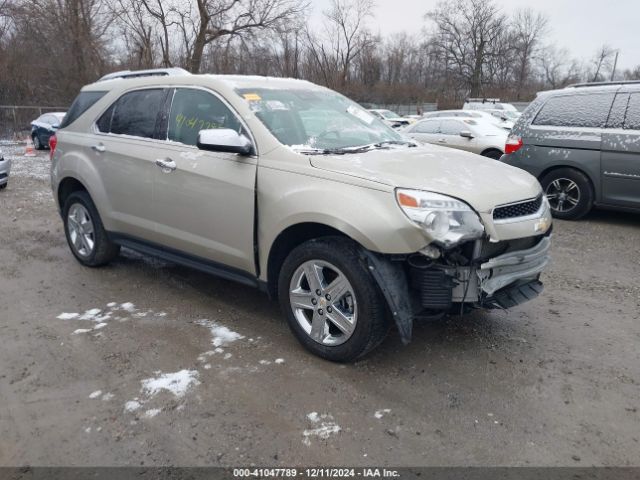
(618, 111)
(81, 104)
(135, 113)
(584, 110)
(632, 120)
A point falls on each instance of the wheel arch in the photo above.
(66, 187)
(491, 149)
(585, 172)
(290, 238)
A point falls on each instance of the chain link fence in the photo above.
(15, 120)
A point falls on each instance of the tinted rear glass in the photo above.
(583, 110)
(136, 113)
(618, 111)
(81, 104)
(632, 121)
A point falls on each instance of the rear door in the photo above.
(426, 131)
(205, 204)
(125, 149)
(621, 153)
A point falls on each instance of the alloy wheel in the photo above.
(563, 195)
(81, 232)
(323, 302)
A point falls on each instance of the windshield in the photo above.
(388, 114)
(314, 119)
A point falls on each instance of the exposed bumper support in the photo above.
(509, 268)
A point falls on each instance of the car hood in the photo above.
(481, 182)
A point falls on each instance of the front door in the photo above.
(621, 153)
(204, 201)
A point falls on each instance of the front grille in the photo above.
(495, 249)
(515, 210)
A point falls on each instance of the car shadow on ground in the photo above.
(453, 336)
(613, 217)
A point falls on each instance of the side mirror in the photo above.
(466, 134)
(224, 140)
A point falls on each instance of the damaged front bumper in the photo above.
(416, 286)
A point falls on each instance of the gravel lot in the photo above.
(148, 363)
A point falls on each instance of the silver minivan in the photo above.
(583, 144)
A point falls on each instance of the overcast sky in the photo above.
(581, 26)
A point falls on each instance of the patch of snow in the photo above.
(68, 316)
(87, 430)
(381, 413)
(128, 307)
(177, 383)
(81, 330)
(326, 427)
(107, 396)
(220, 334)
(152, 412)
(207, 366)
(264, 362)
(90, 314)
(112, 304)
(95, 394)
(132, 405)
(279, 361)
(227, 356)
(99, 326)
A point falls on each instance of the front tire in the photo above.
(37, 144)
(333, 305)
(85, 233)
(4, 185)
(569, 192)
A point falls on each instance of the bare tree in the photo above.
(602, 61)
(236, 18)
(527, 29)
(467, 34)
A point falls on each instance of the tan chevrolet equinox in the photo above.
(294, 189)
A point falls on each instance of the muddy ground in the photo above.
(147, 363)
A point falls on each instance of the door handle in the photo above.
(99, 148)
(167, 165)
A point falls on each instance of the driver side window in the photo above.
(194, 110)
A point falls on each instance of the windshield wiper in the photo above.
(357, 149)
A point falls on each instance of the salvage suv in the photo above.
(292, 188)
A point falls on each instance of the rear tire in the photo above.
(494, 154)
(357, 305)
(37, 144)
(569, 192)
(85, 233)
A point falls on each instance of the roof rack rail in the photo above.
(484, 100)
(603, 84)
(154, 72)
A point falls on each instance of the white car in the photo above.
(478, 115)
(5, 168)
(488, 104)
(461, 133)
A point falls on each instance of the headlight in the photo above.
(447, 220)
